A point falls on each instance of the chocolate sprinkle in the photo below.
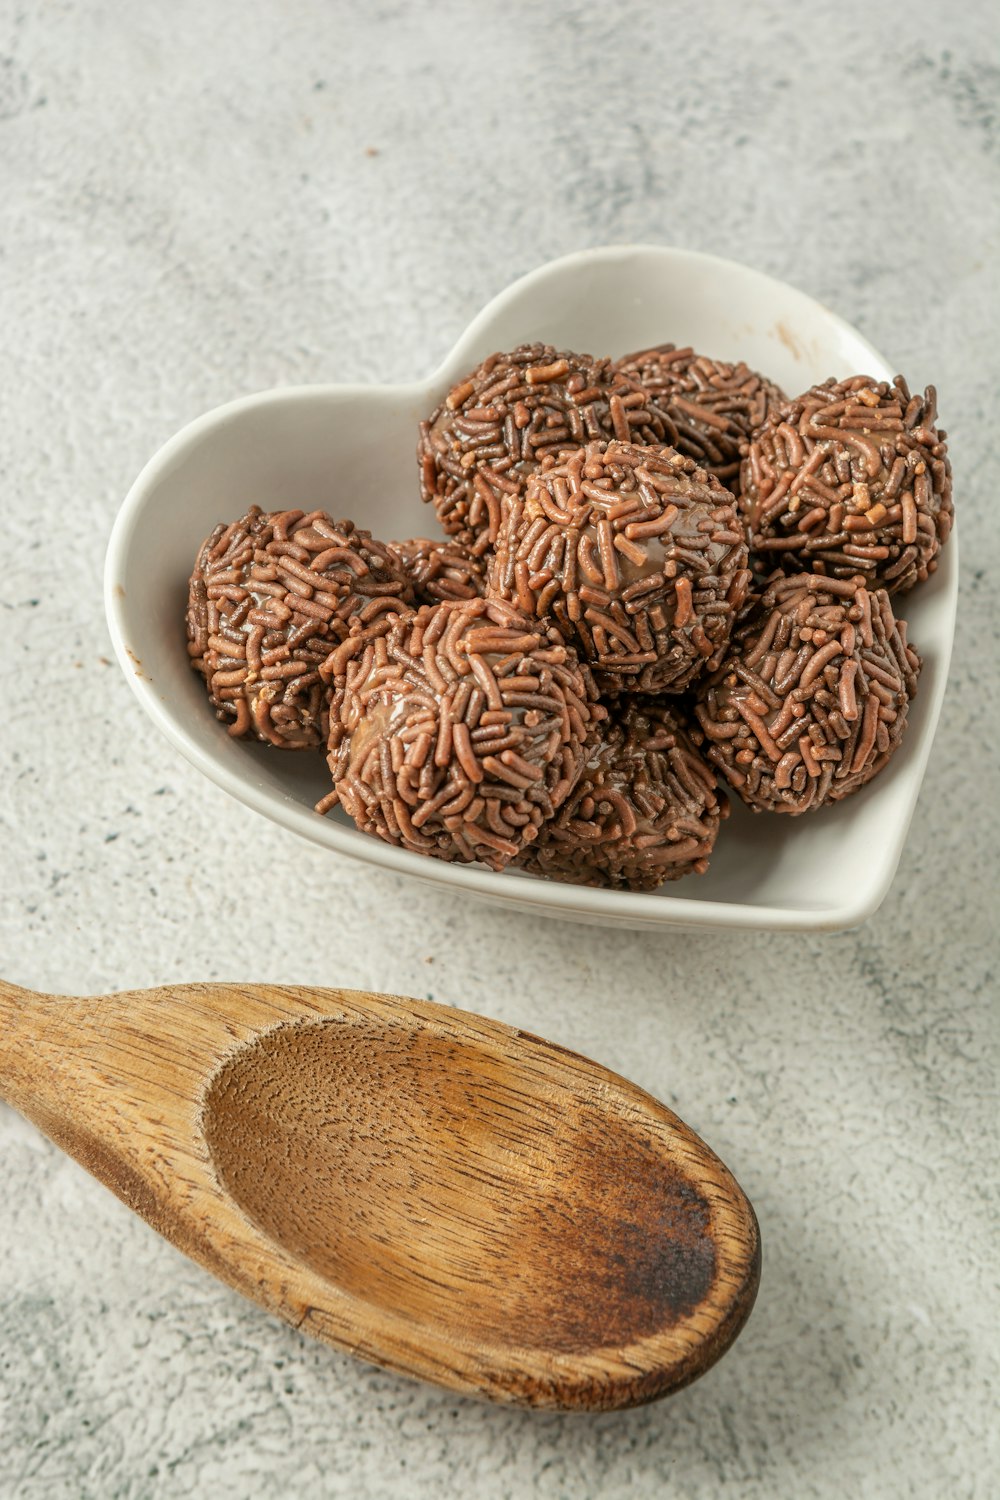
(812, 699)
(459, 731)
(440, 570)
(714, 407)
(851, 478)
(513, 412)
(645, 810)
(269, 597)
(638, 556)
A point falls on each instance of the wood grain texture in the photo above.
(433, 1191)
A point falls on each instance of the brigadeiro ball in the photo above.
(440, 570)
(460, 731)
(645, 810)
(637, 554)
(270, 596)
(713, 406)
(851, 478)
(515, 410)
(812, 699)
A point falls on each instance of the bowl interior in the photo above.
(350, 450)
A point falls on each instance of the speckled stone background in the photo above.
(202, 199)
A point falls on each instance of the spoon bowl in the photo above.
(436, 1192)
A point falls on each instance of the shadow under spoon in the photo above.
(435, 1192)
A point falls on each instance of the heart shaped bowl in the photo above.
(350, 449)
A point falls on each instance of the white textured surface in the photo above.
(191, 210)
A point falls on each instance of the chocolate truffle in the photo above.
(637, 554)
(460, 731)
(851, 478)
(812, 699)
(713, 406)
(440, 570)
(496, 427)
(270, 596)
(645, 810)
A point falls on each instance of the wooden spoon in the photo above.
(432, 1191)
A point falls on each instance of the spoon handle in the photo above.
(16, 1005)
(36, 1036)
(50, 1074)
(117, 1080)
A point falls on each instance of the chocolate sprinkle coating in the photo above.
(513, 411)
(270, 596)
(460, 731)
(851, 478)
(645, 810)
(637, 555)
(440, 570)
(812, 699)
(713, 406)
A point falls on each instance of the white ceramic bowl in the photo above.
(350, 450)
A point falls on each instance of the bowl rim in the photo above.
(663, 909)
